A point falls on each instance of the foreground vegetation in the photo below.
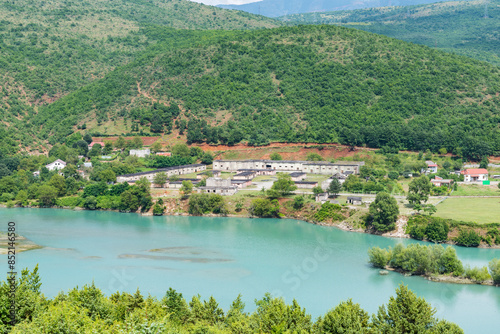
(431, 260)
(88, 310)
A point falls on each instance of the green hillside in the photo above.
(456, 26)
(306, 83)
(53, 47)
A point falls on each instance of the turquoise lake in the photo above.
(318, 266)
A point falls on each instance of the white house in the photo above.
(141, 153)
(475, 174)
(58, 164)
(432, 167)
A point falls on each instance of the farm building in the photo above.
(170, 171)
(219, 186)
(320, 167)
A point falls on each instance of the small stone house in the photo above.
(355, 200)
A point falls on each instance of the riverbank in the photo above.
(177, 207)
(444, 278)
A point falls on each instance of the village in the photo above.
(242, 179)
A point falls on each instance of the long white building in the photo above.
(170, 171)
(310, 167)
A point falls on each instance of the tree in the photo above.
(317, 190)
(207, 158)
(263, 207)
(158, 209)
(90, 203)
(275, 156)
(181, 150)
(419, 190)
(494, 267)
(57, 181)
(186, 189)
(88, 138)
(313, 156)
(347, 317)
(107, 175)
(334, 187)
(47, 195)
(298, 202)
(484, 163)
(81, 146)
(406, 313)
(282, 187)
(108, 147)
(160, 179)
(120, 143)
(157, 146)
(384, 212)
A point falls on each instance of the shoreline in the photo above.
(443, 278)
(398, 233)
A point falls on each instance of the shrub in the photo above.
(379, 257)
(68, 201)
(158, 210)
(468, 238)
(329, 211)
(478, 275)
(437, 231)
(298, 202)
(494, 267)
(264, 207)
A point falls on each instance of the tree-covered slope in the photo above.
(306, 83)
(53, 47)
(457, 26)
(275, 8)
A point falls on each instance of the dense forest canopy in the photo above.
(468, 28)
(51, 48)
(296, 84)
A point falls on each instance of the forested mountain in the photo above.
(50, 48)
(275, 8)
(308, 83)
(469, 28)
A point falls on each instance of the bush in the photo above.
(264, 207)
(468, 238)
(90, 203)
(68, 201)
(329, 211)
(298, 202)
(379, 257)
(158, 210)
(200, 204)
(6, 197)
(393, 175)
(494, 267)
(437, 231)
(478, 275)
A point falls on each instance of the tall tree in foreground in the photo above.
(419, 190)
(347, 317)
(384, 212)
(334, 187)
(407, 313)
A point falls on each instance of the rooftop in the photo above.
(163, 170)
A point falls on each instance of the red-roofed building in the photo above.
(439, 181)
(164, 154)
(432, 167)
(475, 174)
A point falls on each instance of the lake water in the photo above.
(318, 266)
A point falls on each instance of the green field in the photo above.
(476, 190)
(480, 210)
